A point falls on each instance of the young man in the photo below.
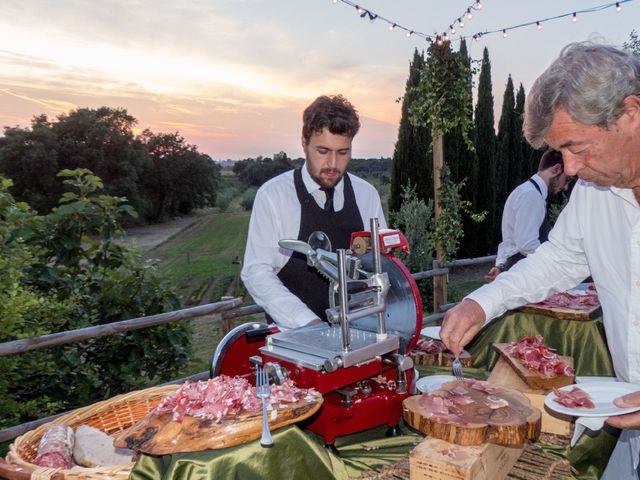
(587, 105)
(525, 221)
(320, 196)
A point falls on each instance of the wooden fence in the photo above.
(229, 308)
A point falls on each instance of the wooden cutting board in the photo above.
(532, 378)
(563, 313)
(510, 425)
(442, 359)
(160, 435)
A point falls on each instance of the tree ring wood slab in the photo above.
(441, 359)
(513, 424)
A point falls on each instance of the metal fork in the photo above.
(456, 368)
(263, 390)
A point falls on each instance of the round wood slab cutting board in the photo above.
(510, 425)
(160, 435)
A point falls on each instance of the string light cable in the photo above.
(538, 23)
(468, 14)
(364, 12)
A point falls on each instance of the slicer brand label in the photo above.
(391, 240)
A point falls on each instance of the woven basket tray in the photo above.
(111, 416)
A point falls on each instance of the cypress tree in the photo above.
(412, 160)
(530, 157)
(506, 149)
(484, 140)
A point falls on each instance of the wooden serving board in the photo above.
(535, 379)
(563, 313)
(442, 359)
(160, 435)
(510, 425)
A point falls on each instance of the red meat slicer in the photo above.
(358, 360)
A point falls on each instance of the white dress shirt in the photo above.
(522, 216)
(275, 216)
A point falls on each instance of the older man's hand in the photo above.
(461, 324)
(630, 420)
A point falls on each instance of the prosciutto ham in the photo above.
(536, 356)
(571, 301)
(223, 396)
(574, 398)
(429, 346)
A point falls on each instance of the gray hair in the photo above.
(588, 80)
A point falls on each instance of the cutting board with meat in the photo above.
(472, 412)
(429, 351)
(567, 306)
(218, 413)
(538, 366)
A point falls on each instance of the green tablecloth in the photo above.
(298, 454)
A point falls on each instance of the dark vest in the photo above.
(303, 281)
(543, 232)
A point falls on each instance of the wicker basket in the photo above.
(111, 416)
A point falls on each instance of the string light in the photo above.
(477, 5)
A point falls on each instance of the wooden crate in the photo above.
(435, 459)
(552, 422)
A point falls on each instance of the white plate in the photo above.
(602, 395)
(431, 332)
(433, 382)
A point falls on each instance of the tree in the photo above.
(530, 157)
(412, 163)
(484, 140)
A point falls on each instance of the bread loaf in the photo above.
(94, 448)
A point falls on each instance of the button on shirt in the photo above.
(597, 233)
(522, 216)
(275, 216)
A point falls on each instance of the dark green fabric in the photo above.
(301, 455)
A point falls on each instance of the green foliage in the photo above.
(254, 172)
(160, 175)
(634, 43)
(63, 271)
(248, 197)
(412, 160)
(444, 97)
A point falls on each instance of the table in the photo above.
(300, 454)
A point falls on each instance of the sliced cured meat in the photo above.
(55, 449)
(571, 301)
(536, 356)
(430, 346)
(574, 398)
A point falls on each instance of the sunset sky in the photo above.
(233, 76)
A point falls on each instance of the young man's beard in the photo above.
(327, 182)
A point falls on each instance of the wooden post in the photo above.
(439, 281)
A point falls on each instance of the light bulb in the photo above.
(391, 27)
(574, 18)
(451, 29)
(618, 7)
(476, 38)
(478, 5)
(504, 34)
(409, 33)
(539, 25)
(469, 14)
(461, 23)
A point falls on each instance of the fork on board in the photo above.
(456, 368)
(263, 390)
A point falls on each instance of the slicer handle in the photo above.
(297, 246)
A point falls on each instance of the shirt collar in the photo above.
(544, 190)
(311, 184)
(625, 194)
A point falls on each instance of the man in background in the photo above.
(319, 196)
(587, 105)
(525, 217)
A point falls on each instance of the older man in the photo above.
(320, 196)
(587, 105)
